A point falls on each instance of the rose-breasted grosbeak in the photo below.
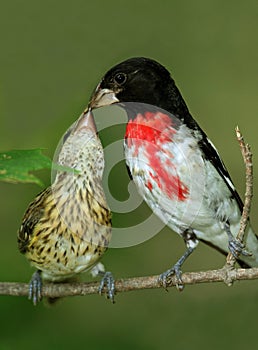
(67, 228)
(175, 167)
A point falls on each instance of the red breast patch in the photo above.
(153, 133)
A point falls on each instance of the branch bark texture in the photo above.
(55, 290)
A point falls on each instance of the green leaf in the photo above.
(16, 165)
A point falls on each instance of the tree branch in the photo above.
(228, 274)
(55, 290)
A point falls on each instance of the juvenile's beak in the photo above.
(103, 97)
(86, 121)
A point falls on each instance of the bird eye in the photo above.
(120, 78)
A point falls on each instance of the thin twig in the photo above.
(247, 157)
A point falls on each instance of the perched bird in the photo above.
(175, 167)
(67, 228)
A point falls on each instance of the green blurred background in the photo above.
(52, 55)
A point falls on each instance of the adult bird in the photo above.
(175, 167)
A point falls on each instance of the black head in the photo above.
(140, 80)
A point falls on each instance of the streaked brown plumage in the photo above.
(67, 228)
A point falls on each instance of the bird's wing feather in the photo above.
(212, 155)
(31, 218)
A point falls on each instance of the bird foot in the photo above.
(236, 248)
(164, 277)
(108, 283)
(35, 288)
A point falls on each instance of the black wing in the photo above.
(212, 155)
(30, 219)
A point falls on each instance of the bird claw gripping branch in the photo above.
(35, 288)
(107, 282)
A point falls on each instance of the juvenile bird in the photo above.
(67, 228)
(175, 167)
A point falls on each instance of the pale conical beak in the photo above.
(86, 121)
(103, 97)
